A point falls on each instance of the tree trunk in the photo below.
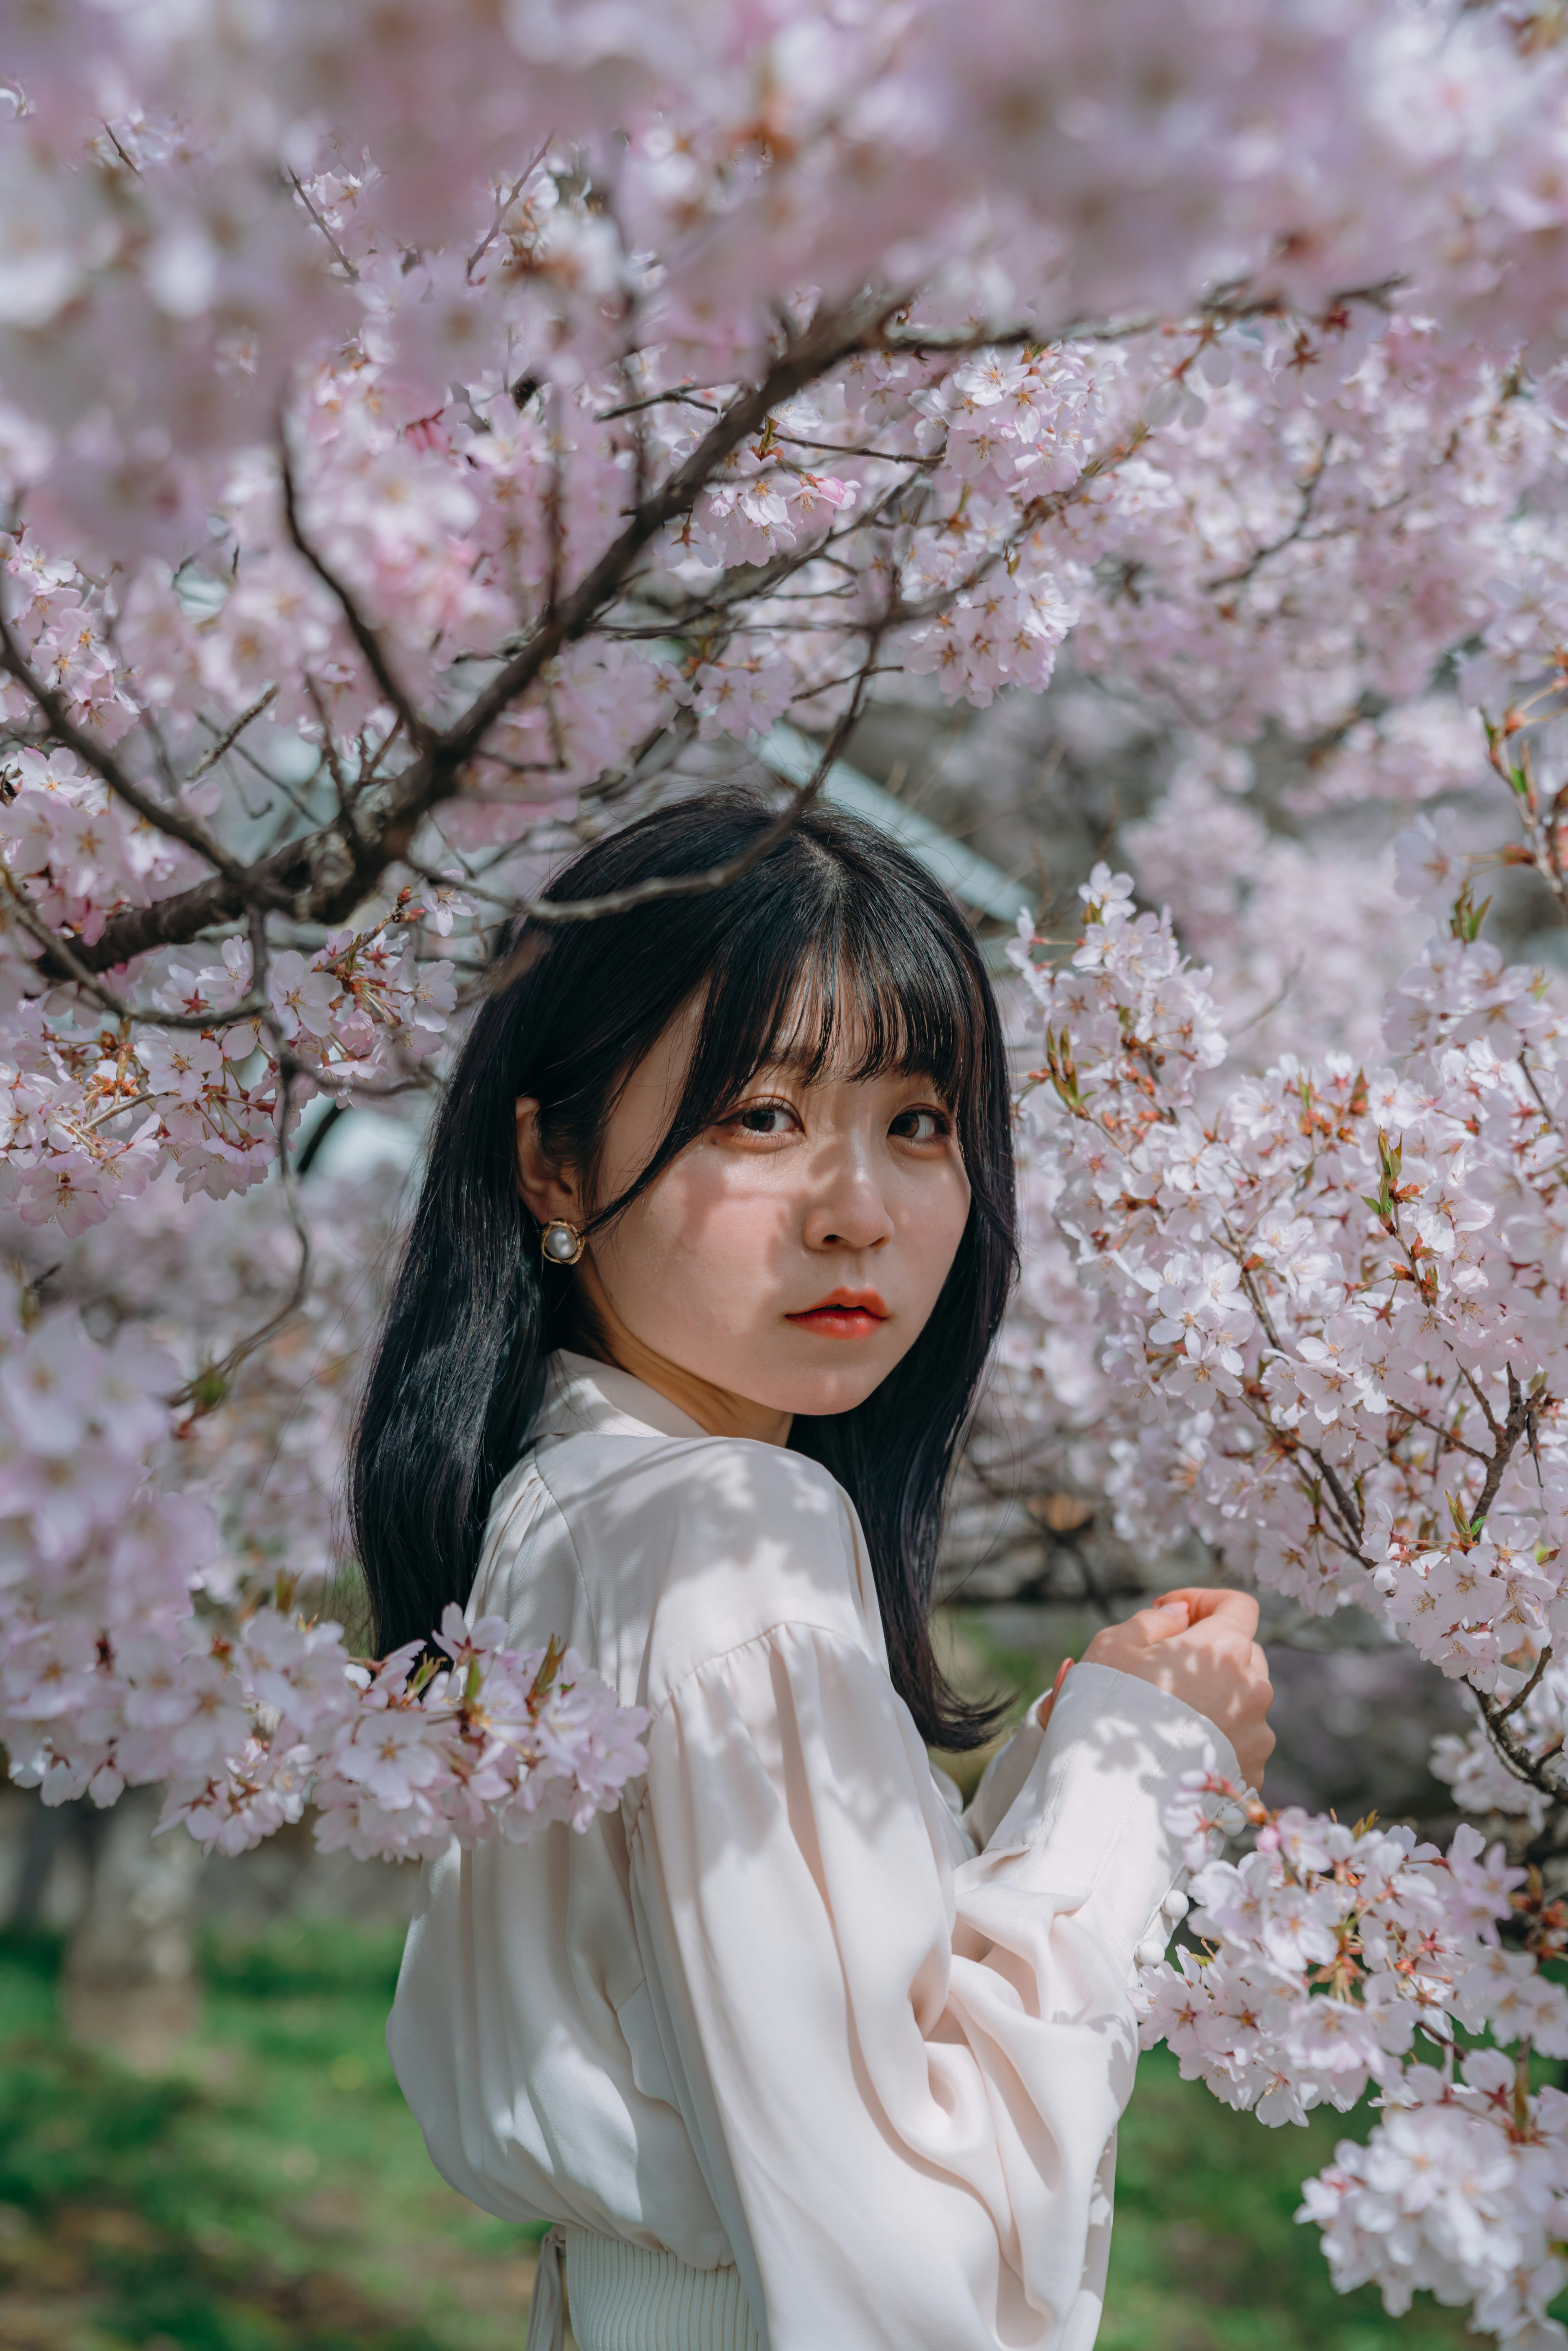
(129, 1975)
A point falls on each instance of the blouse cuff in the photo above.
(1003, 1778)
(1089, 1824)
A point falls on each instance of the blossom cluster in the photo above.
(117, 1667)
(1318, 1958)
(90, 1116)
(741, 159)
(263, 1439)
(1332, 1300)
(1275, 502)
(401, 1758)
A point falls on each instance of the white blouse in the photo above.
(784, 2007)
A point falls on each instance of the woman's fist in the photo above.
(1197, 1643)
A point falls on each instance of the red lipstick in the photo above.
(845, 1314)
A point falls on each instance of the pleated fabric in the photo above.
(625, 2298)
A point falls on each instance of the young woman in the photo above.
(717, 1232)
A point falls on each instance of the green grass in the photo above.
(270, 2191)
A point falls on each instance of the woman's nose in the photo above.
(847, 1210)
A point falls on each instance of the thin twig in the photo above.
(1435, 1429)
(211, 1383)
(1307, 491)
(1514, 1704)
(713, 877)
(504, 202)
(684, 394)
(364, 636)
(349, 268)
(112, 1111)
(231, 734)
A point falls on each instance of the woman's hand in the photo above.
(1197, 1643)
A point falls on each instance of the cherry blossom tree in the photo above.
(427, 436)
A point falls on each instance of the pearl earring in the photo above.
(560, 1243)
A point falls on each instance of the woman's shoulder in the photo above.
(690, 1547)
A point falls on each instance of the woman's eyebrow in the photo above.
(818, 1069)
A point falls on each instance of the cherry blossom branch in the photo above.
(834, 336)
(324, 876)
(96, 756)
(66, 964)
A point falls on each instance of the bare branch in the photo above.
(713, 877)
(231, 734)
(1435, 1429)
(344, 264)
(364, 636)
(505, 198)
(1507, 1434)
(1542, 1661)
(1307, 491)
(686, 394)
(1513, 1753)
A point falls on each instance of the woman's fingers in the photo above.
(1042, 1712)
(1204, 1600)
(1163, 1618)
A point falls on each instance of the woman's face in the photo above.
(788, 1256)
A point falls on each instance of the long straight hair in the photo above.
(836, 951)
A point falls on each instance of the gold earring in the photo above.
(560, 1243)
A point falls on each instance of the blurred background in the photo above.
(201, 2142)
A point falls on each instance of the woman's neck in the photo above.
(598, 1332)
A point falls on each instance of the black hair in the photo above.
(834, 916)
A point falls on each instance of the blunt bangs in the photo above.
(828, 971)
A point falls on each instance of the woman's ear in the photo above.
(545, 1188)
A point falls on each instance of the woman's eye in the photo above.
(920, 1126)
(765, 1118)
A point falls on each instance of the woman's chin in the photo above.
(814, 1393)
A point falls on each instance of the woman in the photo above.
(716, 1236)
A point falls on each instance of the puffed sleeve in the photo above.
(903, 2073)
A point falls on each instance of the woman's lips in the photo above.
(847, 1314)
